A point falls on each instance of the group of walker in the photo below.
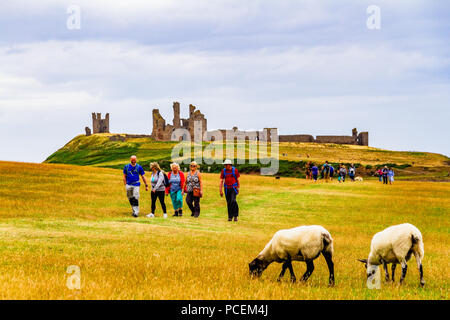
(177, 184)
(386, 175)
(327, 172)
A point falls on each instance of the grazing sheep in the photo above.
(395, 245)
(304, 243)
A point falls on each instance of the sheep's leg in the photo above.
(283, 270)
(394, 265)
(309, 270)
(419, 266)
(404, 269)
(330, 265)
(291, 270)
(386, 272)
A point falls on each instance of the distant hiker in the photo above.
(194, 189)
(175, 188)
(131, 174)
(343, 173)
(380, 175)
(315, 172)
(331, 172)
(391, 176)
(326, 170)
(229, 180)
(308, 170)
(385, 172)
(352, 172)
(158, 183)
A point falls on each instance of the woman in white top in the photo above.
(158, 189)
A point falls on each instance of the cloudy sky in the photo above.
(302, 66)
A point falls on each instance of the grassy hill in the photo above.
(114, 150)
(54, 216)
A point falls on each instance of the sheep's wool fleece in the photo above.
(393, 243)
(305, 239)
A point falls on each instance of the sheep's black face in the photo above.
(256, 268)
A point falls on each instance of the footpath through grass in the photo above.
(54, 216)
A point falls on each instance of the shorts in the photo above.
(132, 191)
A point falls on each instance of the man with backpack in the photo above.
(325, 170)
(229, 180)
(131, 174)
(352, 172)
(331, 172)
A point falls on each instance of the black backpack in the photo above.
(166, 180)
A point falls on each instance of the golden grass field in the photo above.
(54, 216)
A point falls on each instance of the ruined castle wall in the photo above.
(336, 139)
(296, 138)
(163, 132)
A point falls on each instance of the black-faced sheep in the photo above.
(395, 245)
(304, 243)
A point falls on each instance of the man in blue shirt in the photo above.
(131, 174)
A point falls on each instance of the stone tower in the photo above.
(191, 110)
(363, 138)
(100, 125)
(176, 115)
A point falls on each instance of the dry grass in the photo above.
(53, 216)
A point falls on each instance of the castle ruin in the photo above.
(163, 132)
(356, 138)
(268, 134)
(99, 125)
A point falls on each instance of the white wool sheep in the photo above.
(395, 245)
(304, 243)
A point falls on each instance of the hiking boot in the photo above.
(151, 215)
(180, 212)
(229, 219)
(235, 219)
(175, 214)
(165, 215)
(134, 215)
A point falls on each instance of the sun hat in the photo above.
(227, 161)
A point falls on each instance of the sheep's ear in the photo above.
(363, 261)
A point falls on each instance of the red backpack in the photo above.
(234, 185)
